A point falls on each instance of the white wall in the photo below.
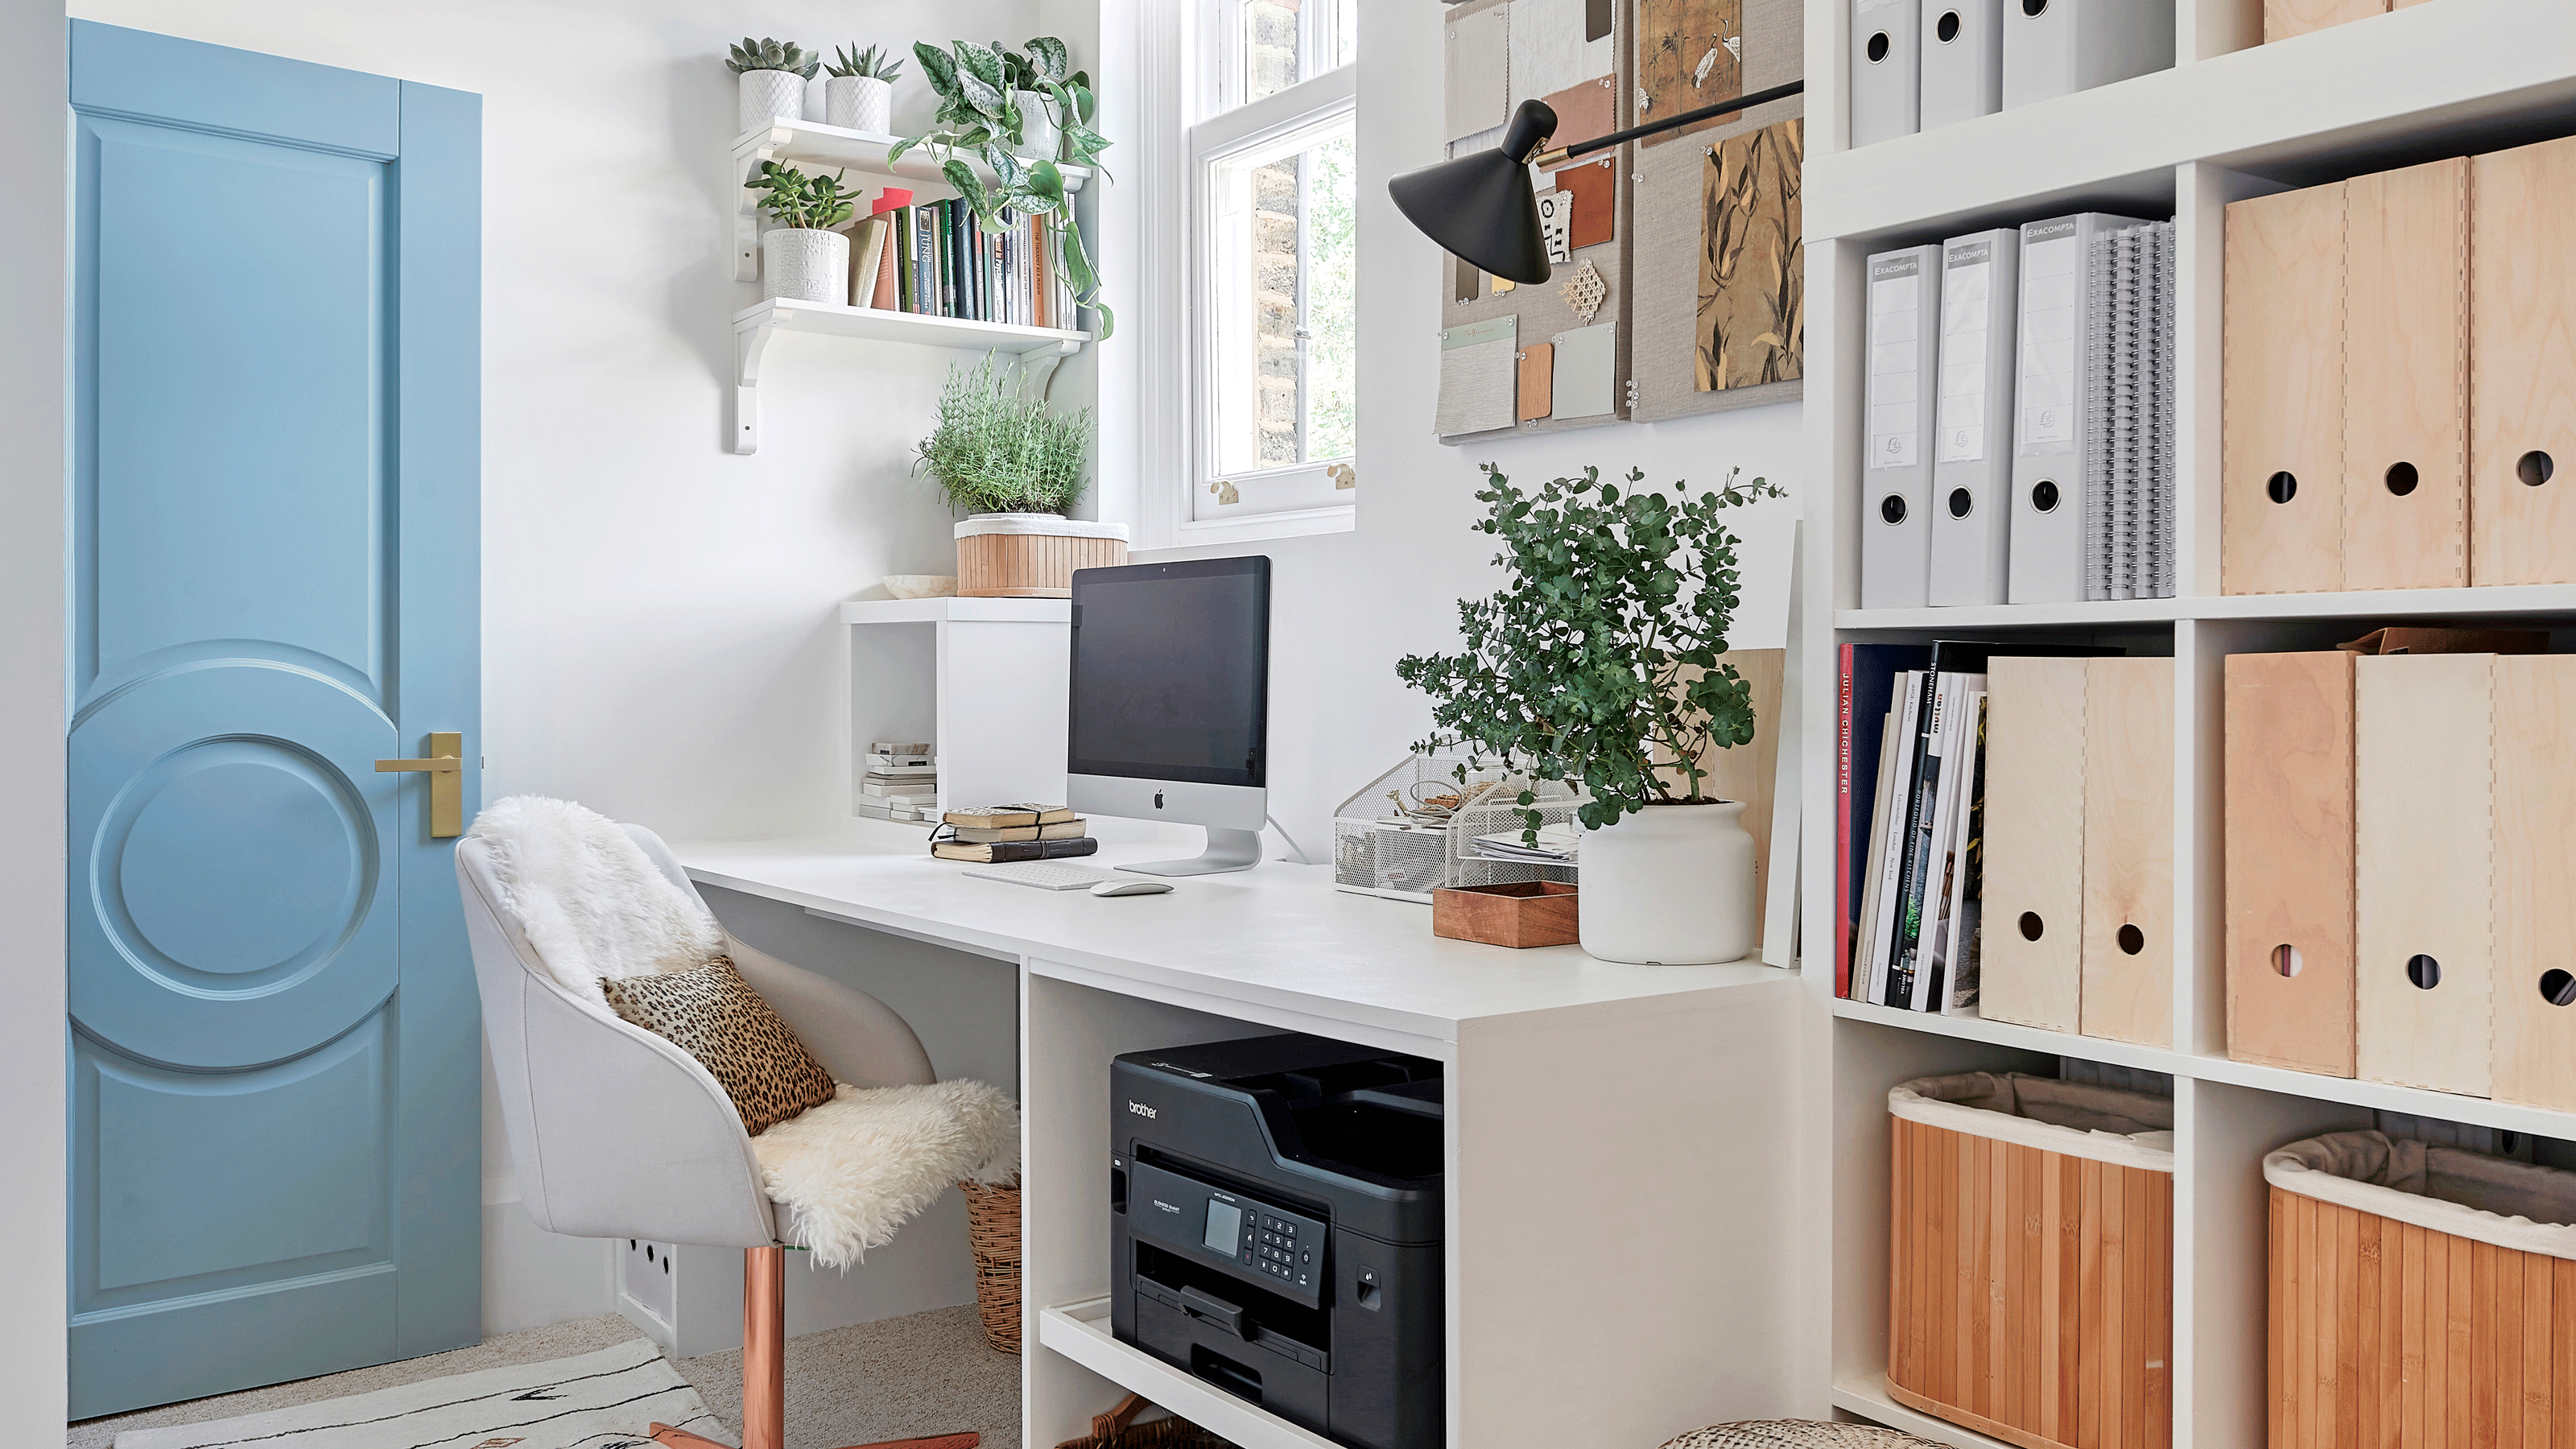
(1346, 606)
(32, 266)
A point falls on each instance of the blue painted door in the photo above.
(273, 1043)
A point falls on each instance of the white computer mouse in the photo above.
(1130, 888)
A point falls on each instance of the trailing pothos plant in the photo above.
(1601, 662)
(979, 89)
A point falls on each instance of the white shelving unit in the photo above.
(2232, 119)
(984, 680)
(812, 145)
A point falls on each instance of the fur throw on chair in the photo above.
(592, 902)
(861, 1165)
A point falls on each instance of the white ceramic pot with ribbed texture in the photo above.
(1670, 885)
(859, 103)
(770, 94)
(805, 266)
(1040, 138)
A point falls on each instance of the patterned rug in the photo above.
(598, 1400)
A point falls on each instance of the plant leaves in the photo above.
(1052, 58)
(980, 61)
(983, 97)
(936, 66)
(968, 184)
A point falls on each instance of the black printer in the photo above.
(1275, 1228)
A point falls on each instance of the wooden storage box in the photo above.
(1519, 914)
(2420, 1296)
(2030, 1277)
(1030, 555)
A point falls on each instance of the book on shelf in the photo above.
(1867, 688)
(867, 251)
(995, 852)
(881, 760)
(901, 749)
(987, 834)
(908, 775)
(902, 792)
(1003, 817)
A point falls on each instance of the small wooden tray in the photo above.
(1522, 914)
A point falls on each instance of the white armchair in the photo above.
(618, 1133)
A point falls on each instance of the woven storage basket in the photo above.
(1118, 1429)
(2030, 1286)
(2420, 1294)
(993, 1231)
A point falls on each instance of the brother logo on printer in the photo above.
(1140, 1109)
(1167, 1207)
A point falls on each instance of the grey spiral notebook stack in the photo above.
(2129, 444)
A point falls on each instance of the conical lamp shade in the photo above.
(1480, 207)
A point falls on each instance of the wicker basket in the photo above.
(1118, 1429)
(993, 1231)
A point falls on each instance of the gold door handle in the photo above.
(446, 771)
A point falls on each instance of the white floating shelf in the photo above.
(1038, 347)
(956, 610)
(2458, 76)
(1081, 1333)
(810, 145)
(2010, 1034)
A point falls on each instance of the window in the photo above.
(1258, 328)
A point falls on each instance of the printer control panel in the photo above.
(1273, 1244)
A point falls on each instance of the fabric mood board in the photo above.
(1683, 248)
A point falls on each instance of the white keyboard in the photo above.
(1046, 875)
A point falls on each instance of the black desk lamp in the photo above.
(1481, 207)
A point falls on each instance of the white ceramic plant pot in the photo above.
(770, 94)
(1032, 555)
(1671, 885)
(859, 103)
(805, 266)
(1040, 138)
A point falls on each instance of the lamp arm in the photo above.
(1703, 113)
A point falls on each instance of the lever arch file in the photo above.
(2423, 816)
(1972, 434)
(2522, 380)
(1963, 60)
(2289, 864)
(2281, 505)
(2057, 47)
(2406, 378)
(2535, 878)
(1904, 342)
(2128, 950)
(2048, 515)
(1886, 69)
(2034, 848)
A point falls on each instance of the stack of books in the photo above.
(936, 259)
(989, 833)
(901, 782)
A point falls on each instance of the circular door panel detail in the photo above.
(232, 844)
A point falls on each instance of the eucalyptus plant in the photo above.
(997, 450)
(1601, 662)
(869, 62)
(979, 89)
(768, 54)
(818, 203)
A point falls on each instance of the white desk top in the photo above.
(1277, 935)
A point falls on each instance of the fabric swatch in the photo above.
(1470, 280)
(1690, 53)
(1547, 47)
(1593, 186)
(1479, 76)
(1752, 277)
(1538, 380)
(1477, 367)
(1585, 110)
(1555, 225)
(1587, 371)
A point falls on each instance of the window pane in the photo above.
(1281, 265)
(1270, 36)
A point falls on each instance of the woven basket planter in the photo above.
(1032, 555)
(993, 1232)
(1118, 1429)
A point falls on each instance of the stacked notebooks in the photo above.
(987, 834)
(901, 782)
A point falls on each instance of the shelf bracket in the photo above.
(748, 345)
(1038, 364)
(754, 148)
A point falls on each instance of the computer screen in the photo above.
(1171, 672)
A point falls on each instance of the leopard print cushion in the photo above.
(713, 1014)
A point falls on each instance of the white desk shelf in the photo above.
(1038, 348)
(810, 145)
(1081, 1333)
(984, 679)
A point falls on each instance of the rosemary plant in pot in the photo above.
(1015, 469)
(1601, 662)
(774, 73)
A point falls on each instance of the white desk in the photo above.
(1619, 1137)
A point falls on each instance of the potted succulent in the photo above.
(1015, 469)
(981, 115)
(773, 74)
(802, 258)
(1601, 662)
(859, 94)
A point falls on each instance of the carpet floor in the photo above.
(925, 1373)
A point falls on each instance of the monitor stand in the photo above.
(1227, 850)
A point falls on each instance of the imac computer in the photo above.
(1170, 702)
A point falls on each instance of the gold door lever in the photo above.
(446, 771)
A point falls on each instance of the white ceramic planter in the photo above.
(859, 103)
(1671, 885)
(1040, 138)
(770, 94)
(805, 266)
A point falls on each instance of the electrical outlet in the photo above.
(644, 1279)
